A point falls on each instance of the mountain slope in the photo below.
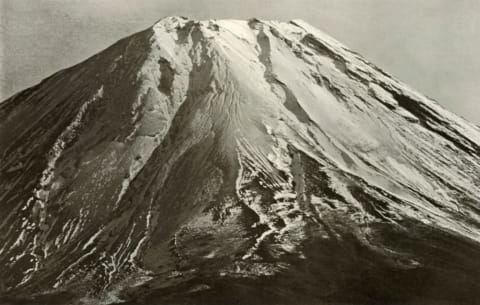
(236, 162)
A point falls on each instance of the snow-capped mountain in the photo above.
(235, 162)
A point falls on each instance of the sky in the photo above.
(432, 45)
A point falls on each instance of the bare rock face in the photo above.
(235, 162)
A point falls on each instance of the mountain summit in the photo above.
(235, 162)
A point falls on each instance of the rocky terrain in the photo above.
(235, 162)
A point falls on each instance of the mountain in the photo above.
(235, 162)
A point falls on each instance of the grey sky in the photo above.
(432, 45)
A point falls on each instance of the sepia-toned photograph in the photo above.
(215, 152)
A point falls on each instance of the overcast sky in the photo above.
(433, 45)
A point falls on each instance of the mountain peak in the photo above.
(197, 160)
